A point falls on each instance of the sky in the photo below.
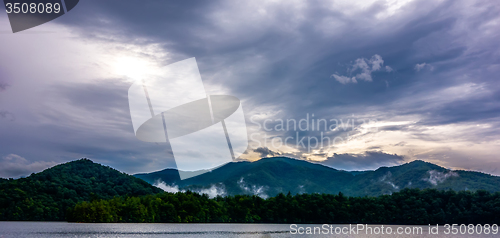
(394, 81)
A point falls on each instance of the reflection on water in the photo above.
(77, 230)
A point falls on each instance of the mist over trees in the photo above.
(409, 206)
(83, 191)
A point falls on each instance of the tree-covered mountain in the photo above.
(271, 176)
(48, 194)
(170, 175)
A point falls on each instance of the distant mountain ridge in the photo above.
(46, 196)
(271, 176)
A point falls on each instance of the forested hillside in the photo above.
(271, 176)
(316, 193)
(45, 196)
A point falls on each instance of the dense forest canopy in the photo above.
(409, 206)
(47, 195)
(84, 191)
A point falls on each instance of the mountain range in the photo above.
(47, 196)
(271, 176)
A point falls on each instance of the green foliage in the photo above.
(280, 174)
(46, 196)
(409, 206)
(83, 191)
(164, 207)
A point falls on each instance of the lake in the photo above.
(77, 230)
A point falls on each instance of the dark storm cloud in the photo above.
(110, 94)
(170, 22)
(282, 60)
(294, 61)
(265, 152)
(287, 65)
(85, 120)
(368, 161)
(116, 145)
(483, 107)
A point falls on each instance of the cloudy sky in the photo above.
(410, 79)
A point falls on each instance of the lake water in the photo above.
(77, 230)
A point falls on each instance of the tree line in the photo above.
(46, 196)
(408, 206)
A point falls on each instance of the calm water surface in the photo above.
(77, 230)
